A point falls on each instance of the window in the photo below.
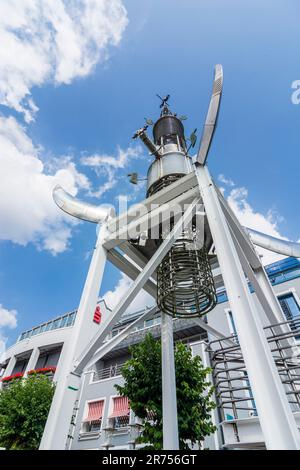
(119, 418)
(291, 310)
(93, 419)
(48, 358)
(20, 366)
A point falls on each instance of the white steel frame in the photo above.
(236, 256)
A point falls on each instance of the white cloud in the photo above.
(120, 160)
(113, 297)
(267, 223)
(224, 180)
(45, 41)
(27, 211)
(108, 166)
(8, 318)
(53, 41)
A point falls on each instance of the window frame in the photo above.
(111, 421)
(292, 292)
(83, 430)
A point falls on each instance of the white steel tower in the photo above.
(164, 244)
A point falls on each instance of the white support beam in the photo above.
(135, 255)
(137, 285)
(277, 421)
(252, 265)
(213, 331)
(147, 218)
(164, 196)
(113, 342)
(239, 232)
(256, 273)
(127, 267)
(67, 387)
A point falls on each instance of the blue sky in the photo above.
(93, 78)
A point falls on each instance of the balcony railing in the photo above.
(108, 372)
(61, 322)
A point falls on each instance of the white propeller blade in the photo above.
(212, 116)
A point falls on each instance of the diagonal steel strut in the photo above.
(138, 284)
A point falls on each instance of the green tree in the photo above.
(142, 386)
(24, 407)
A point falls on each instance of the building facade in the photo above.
(103, 420)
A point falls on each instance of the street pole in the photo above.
(169, 400)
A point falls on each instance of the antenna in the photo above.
(163, 100)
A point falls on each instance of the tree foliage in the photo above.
(24, 407)
(142, 385)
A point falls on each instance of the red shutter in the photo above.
(120, 407)
(95, 411)
(97, 315)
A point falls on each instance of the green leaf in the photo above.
(24, 407)
(142, 385)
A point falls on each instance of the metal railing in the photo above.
(233, 392)
(108, 372)
(63, 321)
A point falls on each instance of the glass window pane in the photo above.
(63, 321)
(55, 324)
(291, 310)
(71, 319)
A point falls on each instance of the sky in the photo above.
(77, 79)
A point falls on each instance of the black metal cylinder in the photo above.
(168, 127)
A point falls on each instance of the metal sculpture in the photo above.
(175, 180)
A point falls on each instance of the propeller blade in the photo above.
(149, 122)
(212, 116)
(193, 139)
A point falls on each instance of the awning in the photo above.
(120, 407)
(95, 411)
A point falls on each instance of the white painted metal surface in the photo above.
(235, 253)
(138, 284)
(277, 421)
(58, 422)
(171, 163)
(81, 210)
(212, 116)
(169, 404)
(283, 247)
